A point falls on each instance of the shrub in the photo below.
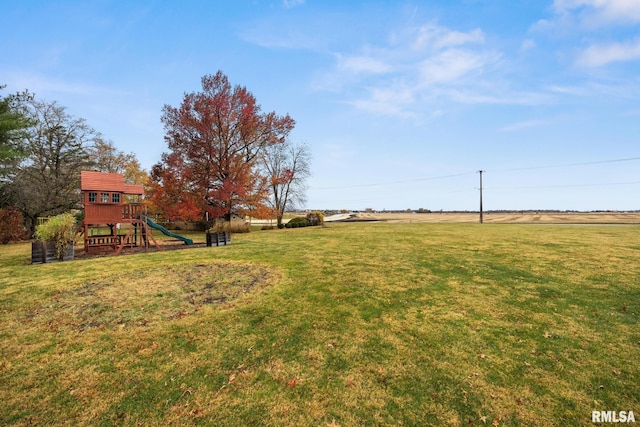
(240, 227)
(11, 225)
(200, 226)
(315, 218)
(222, 225)
(297, 222)
(59, 229)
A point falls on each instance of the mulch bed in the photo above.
(170, 246)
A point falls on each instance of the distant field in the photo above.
(352, 324)
(510, 218)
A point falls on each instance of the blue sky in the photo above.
(401, 102)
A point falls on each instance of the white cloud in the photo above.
(581, 20)
(569, 90)
(416, 65)
(362, 64)
(450, 65)
(388, 101)
(575, 15)
(498, 97)
(523, 125)
(613, 88)
(601, 12)
(527, 44)
(437, 37)
(288, 4)
(603, 54)
(269, 37)
(47, 87)
(337, 154)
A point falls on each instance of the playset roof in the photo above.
(102, 181)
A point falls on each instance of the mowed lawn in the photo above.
(350, 325)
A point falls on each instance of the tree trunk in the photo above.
(279, 221)
(30, 223)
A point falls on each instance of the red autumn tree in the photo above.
(218, 135)
(169, 193)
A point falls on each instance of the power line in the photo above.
(393, 182)
(628, 159)
(433, 178)
(533, 187)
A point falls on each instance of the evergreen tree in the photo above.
(13, 123)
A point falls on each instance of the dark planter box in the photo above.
(218, 239)
(43, 252)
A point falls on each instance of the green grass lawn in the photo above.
(350, 324)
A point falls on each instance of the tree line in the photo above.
(226, 157)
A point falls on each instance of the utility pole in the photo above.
(480, 172)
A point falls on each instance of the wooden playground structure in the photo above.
(110, 204)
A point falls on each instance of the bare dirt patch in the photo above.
(142, 297)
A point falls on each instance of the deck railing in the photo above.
(132, 211)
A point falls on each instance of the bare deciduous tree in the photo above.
(48, 180)
(287, 167)
(105, 157)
